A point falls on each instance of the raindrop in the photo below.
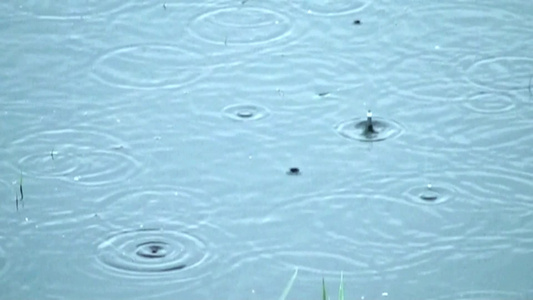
(151, 251)
(430, 194)
(370, 129)
(245, 112)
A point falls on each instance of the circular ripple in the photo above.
(430, 194)
(355, 129)
(491, 102)
(84, 156)
(167, 204)
(330, 7)
(483, 26)
(241, 26)
(149, 66)
(429, 77)
(57, 10)
(501, 73)
(482, 295)
(245, 112)
(152, 251)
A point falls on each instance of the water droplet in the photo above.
(245, 112)
(430, 194)
(361, 130)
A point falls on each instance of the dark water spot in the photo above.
(245, 112)
(294, 171)
(151, 251)
(358, 129)
(244, 25)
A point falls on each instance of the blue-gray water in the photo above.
(154, 140)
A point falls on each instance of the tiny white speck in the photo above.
(27, 220)
(77, 178)
(384, 294)
(437, 47)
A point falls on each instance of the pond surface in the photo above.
(179, 150)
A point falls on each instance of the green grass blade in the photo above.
(289, 285)
(341, 288)
(324, 294)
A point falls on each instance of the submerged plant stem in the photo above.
(20, 187)
(289, 285)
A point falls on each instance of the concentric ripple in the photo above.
(61, 11)
(152, 251)
(167, 204)
(481, 295)
(245, 112)
(491, 102)
(241, 26)
(429, 76)
(150, 66)
(356, 129)
(430, 194)
(330, 7)
(504, 73)
(82, 155)
(483, 26)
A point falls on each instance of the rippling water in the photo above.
(206, 150)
